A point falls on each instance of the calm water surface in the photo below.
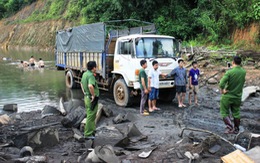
(32, 89)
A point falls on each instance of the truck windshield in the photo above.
(156, 47)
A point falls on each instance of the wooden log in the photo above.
(206, 80)
(206, 131)
(249, 53)
(39, 127)
(99, 113)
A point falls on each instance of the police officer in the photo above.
(231, 86)
(91, 93)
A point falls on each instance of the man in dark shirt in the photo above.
(180, 82)
(194, 82)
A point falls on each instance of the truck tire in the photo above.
(59, 68)
(121, 93)
(70, 81)
(167, 95)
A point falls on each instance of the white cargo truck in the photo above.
(118, 54)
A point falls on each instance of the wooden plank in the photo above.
(236, 157)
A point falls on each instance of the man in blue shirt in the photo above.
(194, 82)
(180, 82)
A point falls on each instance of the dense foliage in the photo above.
(8, 7)
(206, 20)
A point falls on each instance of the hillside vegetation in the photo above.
(205, 21)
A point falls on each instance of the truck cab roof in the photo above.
(143, 36)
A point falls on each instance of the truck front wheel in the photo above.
(70, 82)
(121, 93)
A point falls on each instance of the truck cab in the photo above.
(130, 50)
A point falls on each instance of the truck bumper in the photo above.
(162, 84)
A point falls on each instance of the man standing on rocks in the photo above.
(231, 86)
(143, 86)
(91, 94)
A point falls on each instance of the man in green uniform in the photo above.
(231, 86)
(91, 93)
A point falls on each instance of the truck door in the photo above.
(123, 66)
(122, 61)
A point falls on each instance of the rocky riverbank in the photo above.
(132, 134)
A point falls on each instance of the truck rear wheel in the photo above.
(121, 93)
(70, 81)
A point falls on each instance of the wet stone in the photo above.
(18, 117)
(179, 155)
(212, 81)
(166, 125)
(168, 114)
(10, 107)
(214, 149)
(65, 154)
(126, 161)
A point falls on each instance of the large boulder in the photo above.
(44, 138)
(74, 117)
(49, 110)
(74, 104)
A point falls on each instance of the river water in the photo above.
(32, 89)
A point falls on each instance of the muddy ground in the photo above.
(162, 128)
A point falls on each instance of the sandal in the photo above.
(145, 113)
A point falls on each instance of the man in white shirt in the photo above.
(153, 86)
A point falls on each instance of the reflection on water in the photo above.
(32, 89)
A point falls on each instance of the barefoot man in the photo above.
(153, 85)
